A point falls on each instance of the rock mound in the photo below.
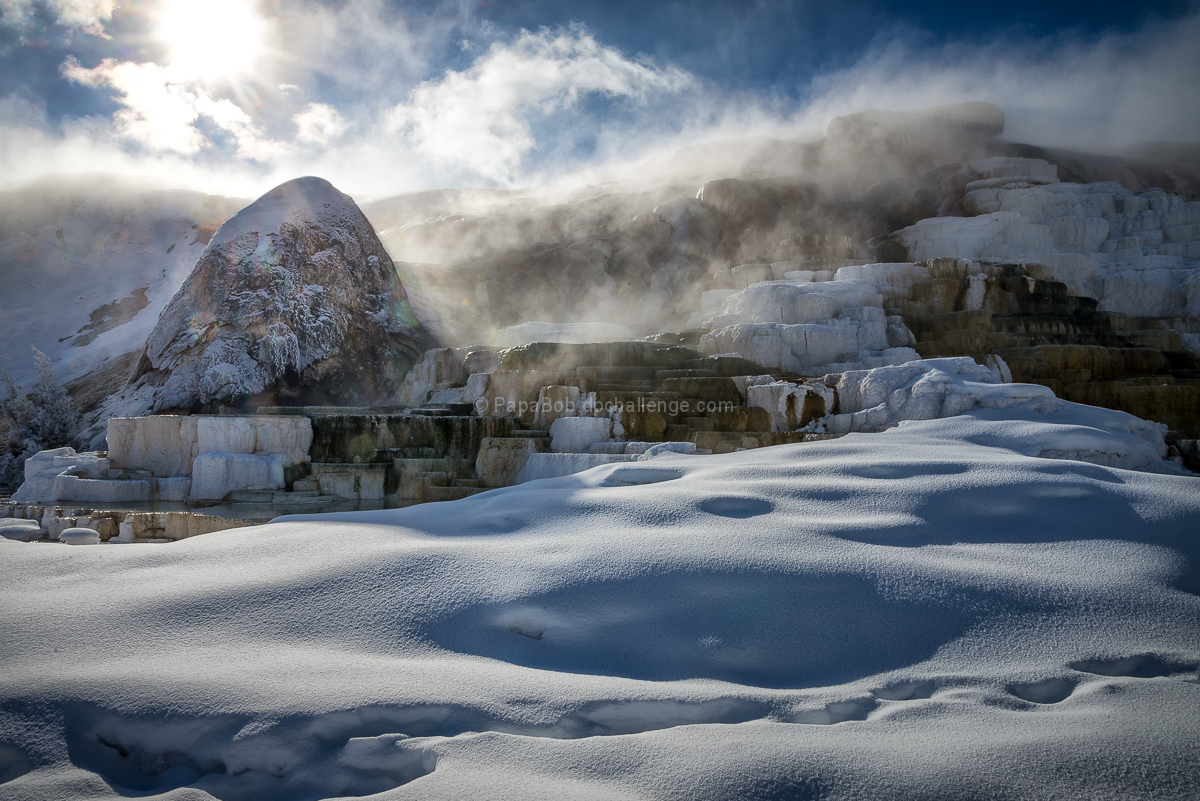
(294, 301)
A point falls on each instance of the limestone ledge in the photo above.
(35, 522)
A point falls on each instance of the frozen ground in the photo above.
(927, 612)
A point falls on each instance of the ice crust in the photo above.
(930, 611)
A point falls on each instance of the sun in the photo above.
(211, 39)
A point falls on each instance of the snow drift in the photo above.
(926, 612)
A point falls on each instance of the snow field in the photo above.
(864, 615)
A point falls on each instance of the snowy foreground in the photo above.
(928, 612)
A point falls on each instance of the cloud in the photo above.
(31, 148)
(480, 119)
(158, 113)
(319, 123)
(88, 16)
(381, 103)
(161, 112)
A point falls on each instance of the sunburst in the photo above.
(211, 39)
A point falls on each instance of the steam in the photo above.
(1101, 94)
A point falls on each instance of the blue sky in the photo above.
(235, 95)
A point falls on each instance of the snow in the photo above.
(79, 536)
(71, 251)
(929, 611)
(43, 468)
(556, 465)
(874, 400)
(23, 530)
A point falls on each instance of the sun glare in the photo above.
(211, 38)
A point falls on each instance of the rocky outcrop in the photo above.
(294, 301)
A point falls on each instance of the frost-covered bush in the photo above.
(45, 418)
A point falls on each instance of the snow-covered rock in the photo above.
(445, 396)
(351, 482)
(437, 369)
(744, 382)
(165, 445)
(293, 295)
(288, 435)
(797, 326)
(135, 475)
(875, 400)
(89, 265)
(665, 448)
(555, 402)
(957, 237)
(42, 469)
(515, 393)
(476, 387)
(792, 302)
(1013, 169)
(79, 536)
(21, 530)
(98, 490)
(810, 349)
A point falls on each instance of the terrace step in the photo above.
(663, 375)
(725, 441)
(468, 482)
(621, 386)
(278, 497)
(449, 493)
(461, 468)
(678, 432)
(251, 496)
(619, 373)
